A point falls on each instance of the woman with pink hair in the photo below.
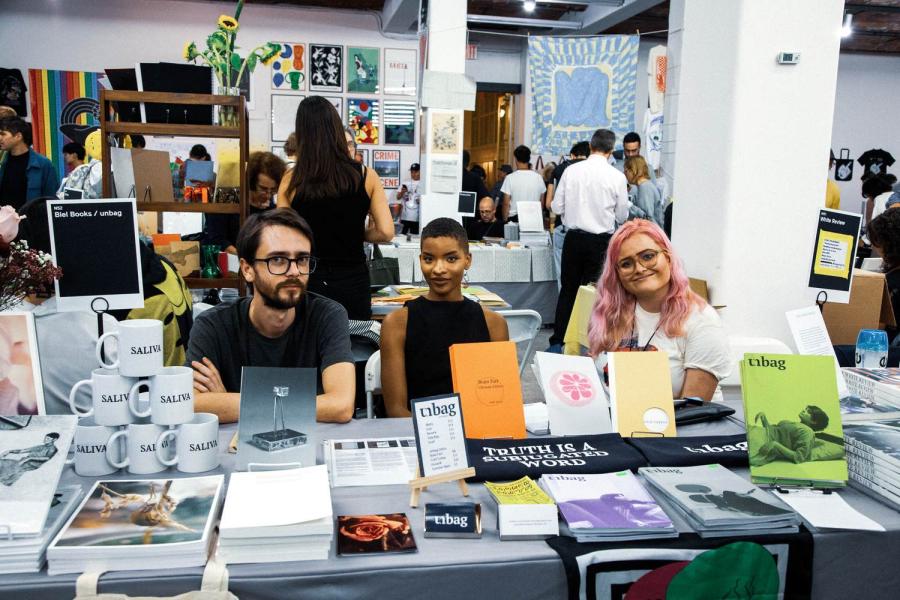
(645, 303)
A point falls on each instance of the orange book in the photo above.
(486, 377)
(164, 239)
(640, 394)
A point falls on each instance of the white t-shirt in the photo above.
(523, 186)
(703, 346)
(410, 201)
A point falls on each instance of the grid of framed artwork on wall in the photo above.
(373, 90)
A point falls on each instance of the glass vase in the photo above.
(228, 115)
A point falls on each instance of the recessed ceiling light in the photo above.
(529, 5)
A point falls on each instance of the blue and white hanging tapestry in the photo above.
(579, 85)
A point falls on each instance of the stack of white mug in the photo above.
(148, 445)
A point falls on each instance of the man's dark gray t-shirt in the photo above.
(319, 334)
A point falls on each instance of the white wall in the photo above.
(90, 35)
(748, 135)
(865, 114)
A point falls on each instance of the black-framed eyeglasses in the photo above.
(279, 265)
(647, 258)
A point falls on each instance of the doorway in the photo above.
(488, 131)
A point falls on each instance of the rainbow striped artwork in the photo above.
(64, 107)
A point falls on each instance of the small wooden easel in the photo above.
(419, 484)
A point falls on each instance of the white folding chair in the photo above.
(758, 345)
(373, 382)
(524, 325)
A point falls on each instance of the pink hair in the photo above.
(613, 314)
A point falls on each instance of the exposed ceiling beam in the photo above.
(600, 17)
(400, 16)
(525, 23)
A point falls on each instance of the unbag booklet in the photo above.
(576, 402)
(608, 506)
(793, 419)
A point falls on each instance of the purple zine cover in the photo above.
(605, 501)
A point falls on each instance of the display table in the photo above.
(846, 564)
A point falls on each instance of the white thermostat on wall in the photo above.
(788, 58)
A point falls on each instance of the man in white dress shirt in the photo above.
(592, 198)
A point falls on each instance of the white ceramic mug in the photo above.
(197, 445)
(171, 396)
(109, 397)
(140, 350)
(91, 448)
(140, 448)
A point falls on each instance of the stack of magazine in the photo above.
(873, 455)
(26, 554)
(608, 507)
(277, 516)
(139, 524)
(875, 394)
(718, 503)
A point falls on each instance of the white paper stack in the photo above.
(608, 507)
(718, 503)
(873, 459)
(277, 516)
(139, 524)
(534, 239)
(27, 554)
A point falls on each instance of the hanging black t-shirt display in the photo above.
(12, 91)
(875, 162)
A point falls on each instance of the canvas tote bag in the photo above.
(213, 587)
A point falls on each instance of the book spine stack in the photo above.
(873, 471)
(859, 385)
(886, 393)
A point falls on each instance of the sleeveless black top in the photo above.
(431, 328)
(338, 224)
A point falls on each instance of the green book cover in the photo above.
(793, 419)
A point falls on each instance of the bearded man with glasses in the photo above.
(280, 325)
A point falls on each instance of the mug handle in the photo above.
(100, 341)
(133, 400)
(72, 404)
(111, 443)
(159, 440)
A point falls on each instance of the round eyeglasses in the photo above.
(647, 258)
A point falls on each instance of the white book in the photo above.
(139, 524)
(275, 499)
(576, 402)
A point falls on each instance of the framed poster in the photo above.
(399, 118)
(387, 164)
(400, 72)
(363, 70)
(284, 115)
(95, 243)
(445, 131)
(326, 68)
(362, 118)
(21, 390)
(289, 68)
(338, 103)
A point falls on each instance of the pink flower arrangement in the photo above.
(23, 271)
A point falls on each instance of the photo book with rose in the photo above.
(368, 534)
(576, 402)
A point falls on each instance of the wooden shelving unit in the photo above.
(240, 133)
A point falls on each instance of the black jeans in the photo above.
(582, 261)
(348, 285)
(409, 227)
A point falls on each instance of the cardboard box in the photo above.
(869, 308)
(184, 255)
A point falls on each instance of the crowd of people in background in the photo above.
(302, 254)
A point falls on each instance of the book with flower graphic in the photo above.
(576, 402)
(486, 377)
(367, 534)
